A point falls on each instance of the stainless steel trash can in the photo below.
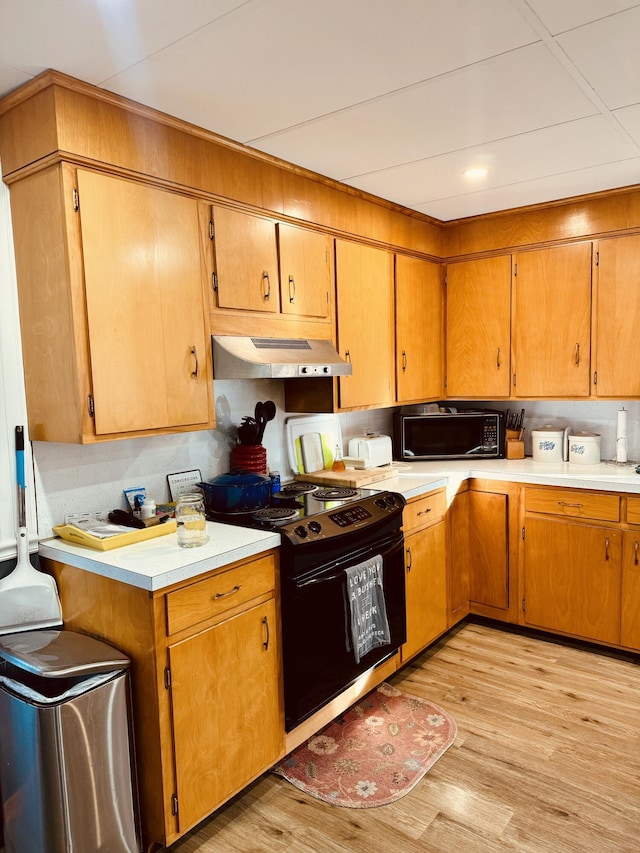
(66, 771)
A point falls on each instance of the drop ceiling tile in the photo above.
(629, 118)
(568, 14)
(576, 145)
(606, 53)
(502, 96)
(94, 40)
(566, 185)
(271, 65)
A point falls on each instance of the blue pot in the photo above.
(236, 491)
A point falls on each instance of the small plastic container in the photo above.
(148, 508)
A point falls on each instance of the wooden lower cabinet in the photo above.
(206, 679)
(572, 578)
(425, 572)
(489, 549)
(226, 721)
(630, 617)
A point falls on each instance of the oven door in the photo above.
(319, 662)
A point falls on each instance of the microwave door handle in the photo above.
(474, 449)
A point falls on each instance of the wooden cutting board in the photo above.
(351, 477)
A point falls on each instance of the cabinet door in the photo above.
(630, 631)
(246, 261)
(419, 329)
(365, 324)
(489, 549)
(553, 322)
(572, 578)
(148, 329)
(426, 588)
(617, 320)
(479, 328)
(305, 271)
(459, 557)
(227, 713)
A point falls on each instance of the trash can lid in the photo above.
(60, 654)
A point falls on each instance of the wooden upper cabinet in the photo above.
(111, 282)
(552, 329)
(365, 303)
(617, 318)
(146, 318)
(419, 329)
(479, 328)
(246, 261)
(306, 271)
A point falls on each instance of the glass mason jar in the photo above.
(191, 520)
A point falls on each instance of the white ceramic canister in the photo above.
(584, 448)
(549, 443)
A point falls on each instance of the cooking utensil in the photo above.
(236, 491)
(28, 597)
(248, 431)
(268, 413)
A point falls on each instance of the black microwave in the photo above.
(465, 434)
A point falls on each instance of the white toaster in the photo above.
(374, 450)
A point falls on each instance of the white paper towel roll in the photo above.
(621, 437)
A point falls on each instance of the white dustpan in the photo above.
(28, 598)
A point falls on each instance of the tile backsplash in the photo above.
(71, 478)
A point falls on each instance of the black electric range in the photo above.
(304, 512)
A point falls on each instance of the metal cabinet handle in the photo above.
(404, 360)
(410, 556)
(607, 542)
(265, 644)
(266, 285)
(292, 289)
(636, 546)
(425, 511)
(498, 359)
(194, 353)
(230, 592)
(577, 354)
(347, 355)
(564, 503)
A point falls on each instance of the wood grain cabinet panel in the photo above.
(246, 261)
(552, 322)
(572, 578)
(617, 318)
(426, 588)
(115, 330)
(574, 504)
(365, 307)
(630, 627)
(419, 329)
(479, 328)
(226, 710)
(489, 549)
(306, 271)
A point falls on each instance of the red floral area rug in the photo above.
(374, 754)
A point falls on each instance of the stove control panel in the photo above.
(351, 515)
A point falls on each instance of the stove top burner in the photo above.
(275, 514)
(292, 490)
(335, 493)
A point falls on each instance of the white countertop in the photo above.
(158, 563)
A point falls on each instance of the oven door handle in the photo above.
(321, 579)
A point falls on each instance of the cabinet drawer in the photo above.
(423, 511)
(209, 598)
(633, 510)
(573, 504)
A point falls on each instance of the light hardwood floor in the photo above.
(547, 760)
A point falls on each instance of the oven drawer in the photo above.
(423, 511)
(211, 597)
(573, 504)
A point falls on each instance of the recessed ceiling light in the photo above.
(476, 173)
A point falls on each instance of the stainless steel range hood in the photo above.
(275, 358)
